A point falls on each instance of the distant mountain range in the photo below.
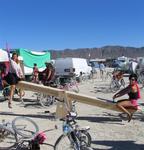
(103, 52)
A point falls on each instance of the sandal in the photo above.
(9, 105)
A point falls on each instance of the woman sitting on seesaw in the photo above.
(133, 92)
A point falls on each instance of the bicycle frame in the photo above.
(74, 133)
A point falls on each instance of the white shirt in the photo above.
(15, 68)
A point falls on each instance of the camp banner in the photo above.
(30, 57)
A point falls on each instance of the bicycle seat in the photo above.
(70, 117)
(72, 114)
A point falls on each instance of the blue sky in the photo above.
(61, 24)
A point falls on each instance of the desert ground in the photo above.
(107, 129)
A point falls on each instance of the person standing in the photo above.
(14, 75)
(35, 73)
(102, 70)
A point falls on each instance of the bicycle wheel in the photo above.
(64, 143)
(25, 127)
(74, 88)
(85, 137)
(108, 76)
(122, 82)
(141, 78)
(6, 91)
(45, 100)
(113, 86)
(8, 138)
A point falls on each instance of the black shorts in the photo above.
(12, 78)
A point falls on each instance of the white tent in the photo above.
(3, 56)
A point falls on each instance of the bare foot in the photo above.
(9, 105)
(129, 117)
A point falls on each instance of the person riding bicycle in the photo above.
(47, 75)
(118, 74)
(133, 92)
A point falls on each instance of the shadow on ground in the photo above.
(118, 145)
(111, 118)
(103, 89)
(50, 116)
(102, 119)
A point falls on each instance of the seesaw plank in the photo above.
(95, 102)
(39, 88)
(68, 96)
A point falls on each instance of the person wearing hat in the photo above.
(133, 92)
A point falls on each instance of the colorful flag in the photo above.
(8, 50)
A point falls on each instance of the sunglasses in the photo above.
(132, 79)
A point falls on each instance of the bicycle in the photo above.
(70, 85)
(116, 84)
(108, 75)
(73, 136)
(141, 78)
(47, 100)
(12, 135)
(6, 92)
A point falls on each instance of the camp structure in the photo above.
(4, 58)
(31, 57)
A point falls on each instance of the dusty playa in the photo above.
(108, 130)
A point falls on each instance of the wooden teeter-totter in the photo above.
(68, 97)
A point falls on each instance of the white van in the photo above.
(71, 66)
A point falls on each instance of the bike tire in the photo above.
(64, 143)
(25, 127)
(141, 78)
(8, 138)
(74, 87)
(108, 76)
(45, 100)
(6, 91)
(123, 82)
(113, 86)
(86, 137)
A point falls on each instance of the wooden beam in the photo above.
(68, 96)
(94, 102)
(40, 88)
